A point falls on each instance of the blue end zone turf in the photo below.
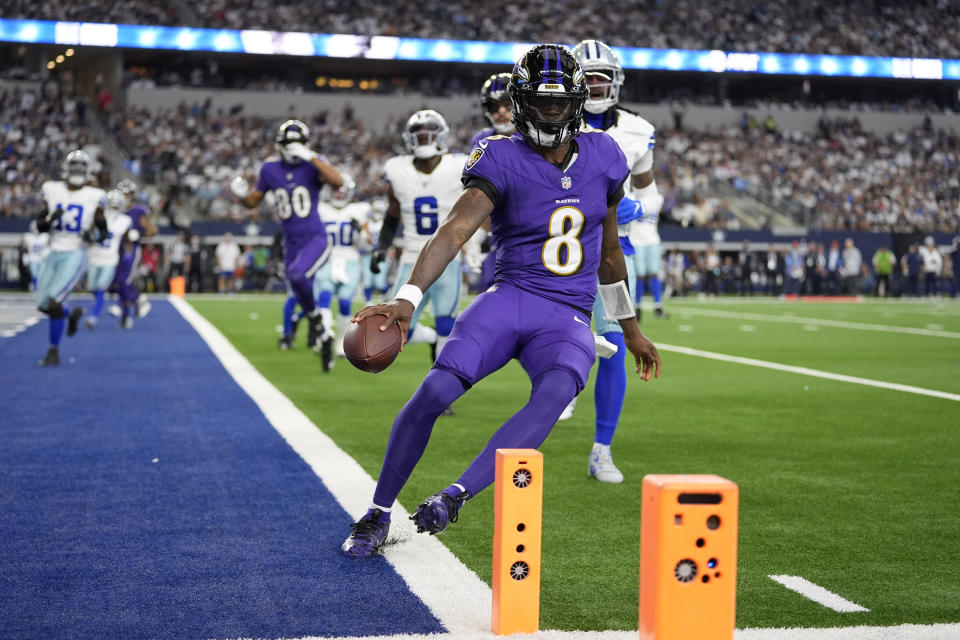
(144, 495)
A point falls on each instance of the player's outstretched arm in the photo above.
(468, 213)
(613, 271)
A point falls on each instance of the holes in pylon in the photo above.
(519, 570)
(522, 478)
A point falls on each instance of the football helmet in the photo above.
(127, 187)
(604, 74)
(425, 134)
(548, 91)
(291, 131)
(344, 195)
(77, 168)
(494, 94)
(116, 200)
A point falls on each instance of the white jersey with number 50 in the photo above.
(425, 198)
(343, 228)
(78, 208)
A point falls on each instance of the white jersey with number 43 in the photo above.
(78, 208)
(425, 198)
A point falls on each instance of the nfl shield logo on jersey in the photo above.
(566, 182)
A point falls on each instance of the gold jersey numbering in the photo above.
(565, 226)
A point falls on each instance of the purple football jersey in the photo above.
(136, 212)
(296, 188)
(549, 222)
(483, 133)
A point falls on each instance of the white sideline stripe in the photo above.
(841, 324)
(814, 373)
(818, 594)
(459, 599)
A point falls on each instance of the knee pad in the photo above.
(444, 325)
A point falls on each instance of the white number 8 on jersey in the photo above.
(566, 235)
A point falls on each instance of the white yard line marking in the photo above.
(455, 595)
(841, 324)
(818, 594)
(804, 371)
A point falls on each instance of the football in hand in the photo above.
(369, 349)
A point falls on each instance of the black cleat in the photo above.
(74, 320)
(439, 510)
(285, 343)
(52, 358)
(367, 536)
(433, 352)
(326, 355)
(660, 313)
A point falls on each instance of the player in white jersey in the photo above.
(374, 281)
(640, 206)
(346, 225)
(73, 215)
(102, 257)
(423, 186)
(38, 246)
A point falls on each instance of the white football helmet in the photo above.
(604, 74)
(127, 187)
(426, 134)
(344, 195)
(77, 168)
(116, 201)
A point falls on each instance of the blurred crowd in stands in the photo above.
(920, 28)
(839, 178)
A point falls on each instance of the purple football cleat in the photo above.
(366, 536)
(436, 512)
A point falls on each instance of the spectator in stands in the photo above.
(883, 261)
(851, 268)
(228, 256)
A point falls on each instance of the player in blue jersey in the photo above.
(295, 178)
(551, 197)
(640, 205)
(497, 108)
(73, 215)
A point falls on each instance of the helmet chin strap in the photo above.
(424, 152)
(546, 139)
(503, 127)
(76, 181)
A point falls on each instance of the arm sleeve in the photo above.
(484, 185)
(484, 172)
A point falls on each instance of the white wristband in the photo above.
(615, 297)
(411, 293)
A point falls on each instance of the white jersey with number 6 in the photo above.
(425, 198)
(78, 207)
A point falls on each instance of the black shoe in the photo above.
(52, 358)
(433, 352)
(285, 343)
(326, 355)
(314, 331)
(74, 320)
(439, 510)
(639, 314)
(366, 536)
(660, 313)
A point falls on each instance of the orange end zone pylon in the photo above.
(517, 521)
(688, 558)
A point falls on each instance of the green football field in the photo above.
(853, 487)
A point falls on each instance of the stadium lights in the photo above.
(68, 52)
(60, 59)
(504, 53)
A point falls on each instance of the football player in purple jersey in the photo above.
(497, 108)
(295, 178)
(141, 222)
(552, 199)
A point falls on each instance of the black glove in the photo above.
(378, 256)
(90, 236)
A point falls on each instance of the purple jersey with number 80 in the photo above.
(296, 191)
(549, 222)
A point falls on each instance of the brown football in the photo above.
(369, 349)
